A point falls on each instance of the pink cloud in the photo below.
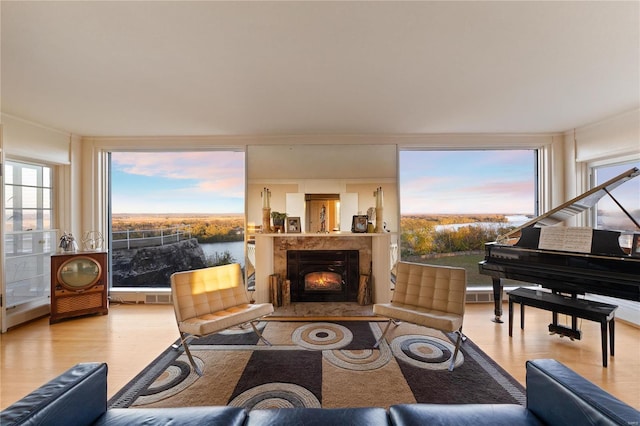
(219, 172)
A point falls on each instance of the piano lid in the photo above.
(579, 204)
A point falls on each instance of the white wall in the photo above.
(26, 140)
(608, 141)
(611, 138)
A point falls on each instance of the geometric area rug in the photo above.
(321, 364)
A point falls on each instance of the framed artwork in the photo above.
(293, 225)
(359, 224)
(635, 245)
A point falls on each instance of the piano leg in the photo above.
(497, 300)
(603, 337)
(612, 332)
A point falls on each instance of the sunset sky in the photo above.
(177, 182)
(467, 181)
(431, 182)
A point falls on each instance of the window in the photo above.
(173, 211)
(27, 197)
(29, 239)
(608, 215)
(452, 202)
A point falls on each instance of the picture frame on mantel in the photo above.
(293, 225)
(359, 224)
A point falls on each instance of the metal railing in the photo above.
(137, 238)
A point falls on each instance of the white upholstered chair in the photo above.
(429, 295)
(210, 300)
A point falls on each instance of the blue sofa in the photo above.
(556, 395)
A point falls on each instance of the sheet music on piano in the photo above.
(576, 239)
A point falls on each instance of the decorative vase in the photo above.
(278, 225)
(379, 220)
(266, 220)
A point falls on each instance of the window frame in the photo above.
(628, 162)
(542, 183)
(105, 178)
(40, 189)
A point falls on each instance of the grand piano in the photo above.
(594, 263)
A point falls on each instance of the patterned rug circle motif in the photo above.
(276, 395)
(359, 360)
(425, 352)
(176, 378)
(290, 374)
(322, 336)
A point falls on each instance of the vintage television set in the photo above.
(78, 285)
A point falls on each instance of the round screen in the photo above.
(79, 272)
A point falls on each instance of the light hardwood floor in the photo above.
(131, 336)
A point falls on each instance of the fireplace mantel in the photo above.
(271, 253)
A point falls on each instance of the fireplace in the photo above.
(323, 275)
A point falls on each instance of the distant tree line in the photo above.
(206, 229)
(419, 234)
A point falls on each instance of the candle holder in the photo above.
(266, 220)
(379, 220)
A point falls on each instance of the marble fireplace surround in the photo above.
(271, 257)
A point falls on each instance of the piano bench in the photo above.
(577, 308)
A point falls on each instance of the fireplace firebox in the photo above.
(323, 275)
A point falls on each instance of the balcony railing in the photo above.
(138, 238)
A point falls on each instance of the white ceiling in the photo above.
(150, 68)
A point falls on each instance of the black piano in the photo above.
(597, 264)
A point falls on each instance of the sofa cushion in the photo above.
(416, 315)
(221, 320)
(76, 397)
(318, 417)
(558, 395)
(202, 291)
(461, 414)
(184, 416)
(433, 287)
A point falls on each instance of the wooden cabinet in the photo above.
(78, 285)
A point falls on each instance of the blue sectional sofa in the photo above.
(556, 395)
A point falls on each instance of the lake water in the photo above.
(236, 248)
(515, 220)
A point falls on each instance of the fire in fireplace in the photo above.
(323, 275)
(323, 281)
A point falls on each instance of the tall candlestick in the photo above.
(266, 198)
(266, 220)
(379, 201)
(379, 220)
